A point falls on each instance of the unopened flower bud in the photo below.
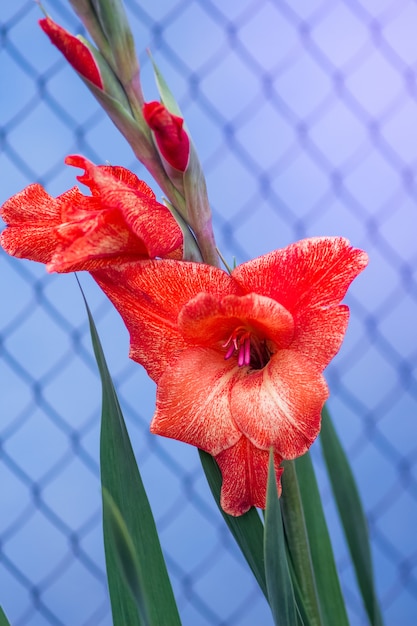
(74, 50)
(90, 65)
(171, 138)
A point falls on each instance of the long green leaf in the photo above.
(302, 614)
(351, 514)
(278, 579)
(247, 529)
(121, 479)
(298, 547)
(330, 596)
(125, 550)
(3, 619)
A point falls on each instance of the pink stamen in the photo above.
(241, 356)
(230, 351)
(239, 341)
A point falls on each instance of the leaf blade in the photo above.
(120, 477)
(277, 572)
(298, 546)
(125, 550)
(3, 619)
(351, 515)
(247, 530)
(329, 592)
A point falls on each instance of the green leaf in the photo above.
(330, 596)
(247, 529)
(125, 551)
(299, 548)
(351, 514)
(121, 479)
(3, 619)
(278, 579)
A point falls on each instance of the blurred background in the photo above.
(304, 115)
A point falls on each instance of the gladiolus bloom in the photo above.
(238, 359)
(170, 136)
(75, 51)
(121, 221)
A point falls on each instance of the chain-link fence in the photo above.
(305, 117)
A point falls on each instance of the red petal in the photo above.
(151, 222)
(149, 297)
(207, 320)
(244, 470)
(76, 53)
(97, 240)
(310, 273)
(117, 172)
(281, 404)
(320, 333)
(33, 217)
(192, 402)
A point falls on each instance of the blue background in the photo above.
(304, 116)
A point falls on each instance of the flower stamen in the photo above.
(240, 342)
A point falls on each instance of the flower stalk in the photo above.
(237, 357)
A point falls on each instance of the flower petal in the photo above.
(150, 221)
(149, 296)
(245, 472)
(32, 217)
(312, 272)
(95, 239)
(192, 401)
(117, 172)
(120, 222)
(320, 332)
(75, 51)
(207, 319)
(281, 404)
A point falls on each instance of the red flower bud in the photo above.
(75, 51)
(170, 136)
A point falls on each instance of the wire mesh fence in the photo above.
(305, 119)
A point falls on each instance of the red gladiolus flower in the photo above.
(238, 359)
(171, 138)
(75, 51)
(121, 221)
